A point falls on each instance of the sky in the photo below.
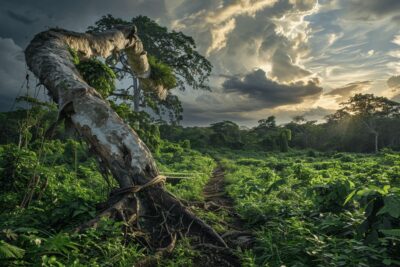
(269, 57)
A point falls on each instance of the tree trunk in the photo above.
(376, 135)
(136, 94)
(116, 144)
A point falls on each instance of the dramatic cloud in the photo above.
(21, 19)
(246, 34)
(373, 9)
(344, 92)
(12, 72)
(270, 57)
(263, 92)
(394, 86)
(25, 19)
(219, 36)
(394, 82)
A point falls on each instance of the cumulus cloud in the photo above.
(284, 69)
(394, 88)
(247, 34)
(265, 93)
(396, 39)
(344, 92)
(219, 36)
(393, 82)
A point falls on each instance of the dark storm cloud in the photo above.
(21, 18)
(393, 82)
(350, 89)
(373, 9)
(259, 89)
(12, 72)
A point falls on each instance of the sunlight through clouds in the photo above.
(306, 49)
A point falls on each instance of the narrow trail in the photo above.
(218, 201)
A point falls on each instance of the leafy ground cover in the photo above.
(48, 189)
(304, 208)
(318, 209)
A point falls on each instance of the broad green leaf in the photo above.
(391, 232)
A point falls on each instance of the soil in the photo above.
(218, 201)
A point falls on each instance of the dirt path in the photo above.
(218, 201)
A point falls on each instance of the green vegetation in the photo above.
(305, 208)
(174, 60)
(303, 189)
(319, 209)
(365, 124)
(50, 187)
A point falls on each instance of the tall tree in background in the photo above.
(372, 111)
(302, 129)
(173, 59)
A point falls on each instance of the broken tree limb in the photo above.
(117, 145)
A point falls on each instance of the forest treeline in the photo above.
(365, 123)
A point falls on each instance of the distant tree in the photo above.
(371, 111)
(302, 130)
(269, 123)
(226, 133)
(174, 61)
(299, 119)
(285, 136)
(266, 134)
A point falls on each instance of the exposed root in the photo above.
(161, 253)
(123, 209)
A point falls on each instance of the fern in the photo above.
(8, 251)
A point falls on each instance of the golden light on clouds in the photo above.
(219, 36)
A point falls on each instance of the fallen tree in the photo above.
(141, 200)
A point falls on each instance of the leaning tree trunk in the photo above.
(141, 200)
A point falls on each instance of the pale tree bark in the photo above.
(116, 144)
(136, 94)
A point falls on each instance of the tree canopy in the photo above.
(173, 58)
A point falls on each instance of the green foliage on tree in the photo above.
(285, 136)
(227, 134)
(161, 73)
(96, 74)
(173, 55)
